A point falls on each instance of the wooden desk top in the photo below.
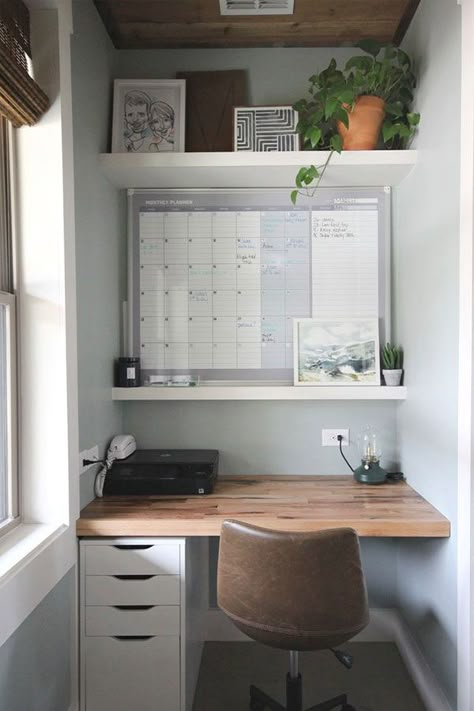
(285, 503)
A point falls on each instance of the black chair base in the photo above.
(260, 701)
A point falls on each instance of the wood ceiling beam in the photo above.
(136, 35)
(407, 17)
(150, 24)
(314, 11)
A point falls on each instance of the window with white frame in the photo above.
(8, 388)
(22, 103)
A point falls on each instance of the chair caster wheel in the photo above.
(256, 705)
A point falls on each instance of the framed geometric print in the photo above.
(265, 128)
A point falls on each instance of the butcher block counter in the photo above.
(285, 503)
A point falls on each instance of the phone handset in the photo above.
(120, 447)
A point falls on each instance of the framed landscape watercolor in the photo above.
(148, 115)
(336, 352)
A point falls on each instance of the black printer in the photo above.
(163, 471)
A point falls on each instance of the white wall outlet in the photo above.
(329, 438)
(92, 453)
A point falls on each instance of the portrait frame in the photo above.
(341, 352)
(148, 116)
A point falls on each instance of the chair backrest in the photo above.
(292, 590)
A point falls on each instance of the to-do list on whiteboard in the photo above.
(345, 260)
(217, 277)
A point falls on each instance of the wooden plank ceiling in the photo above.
(160, 24)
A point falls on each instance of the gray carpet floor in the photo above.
(378, 680)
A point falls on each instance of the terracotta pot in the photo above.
(365, 122)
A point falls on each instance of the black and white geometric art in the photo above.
(265, 128)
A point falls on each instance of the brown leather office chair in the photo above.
(295, 591)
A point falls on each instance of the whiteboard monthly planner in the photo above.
(216, 277)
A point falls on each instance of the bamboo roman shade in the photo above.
(6, 247)
(21, 99)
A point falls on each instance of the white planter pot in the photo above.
(392, 377)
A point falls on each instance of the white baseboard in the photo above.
(421, 673)
(386, 625)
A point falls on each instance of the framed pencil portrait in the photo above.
(148, 115)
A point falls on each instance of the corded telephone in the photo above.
(120, 447)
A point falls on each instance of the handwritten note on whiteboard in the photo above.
(219, 276)
(345, 262)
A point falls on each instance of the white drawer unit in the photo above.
(133, 559)
(132, 673)
(132, 590)
(162, 620)
(138, 649)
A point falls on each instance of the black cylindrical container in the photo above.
(128, 372)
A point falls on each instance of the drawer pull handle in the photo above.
(133, 577)
(133, 607)
(134, 638)
(133, 548)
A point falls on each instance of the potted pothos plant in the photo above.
(356, 107)
(392, 364)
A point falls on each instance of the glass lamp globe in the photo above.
(369, 446)
(370, 471)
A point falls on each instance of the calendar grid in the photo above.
(214, 312)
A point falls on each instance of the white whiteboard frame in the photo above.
(384, 333)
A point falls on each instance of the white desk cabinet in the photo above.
(139, 647)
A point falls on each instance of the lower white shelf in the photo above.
(260, 392)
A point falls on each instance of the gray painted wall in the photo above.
(253, 437)
(261, 437)
(277, 76)
(285, 437)
(377, 556)
(426, 259)
(35, 662)
(275, 438)
(272, 437)
(100, 236)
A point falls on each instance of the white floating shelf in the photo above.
(254, 170)
(260, 392)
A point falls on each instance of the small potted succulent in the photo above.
(367, 102)
(392, 364)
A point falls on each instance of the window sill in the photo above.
(25, 541)
(33, 559)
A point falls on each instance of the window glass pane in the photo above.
(3, 414)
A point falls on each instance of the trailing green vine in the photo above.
(384, 71)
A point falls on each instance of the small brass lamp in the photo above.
(370, 471)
